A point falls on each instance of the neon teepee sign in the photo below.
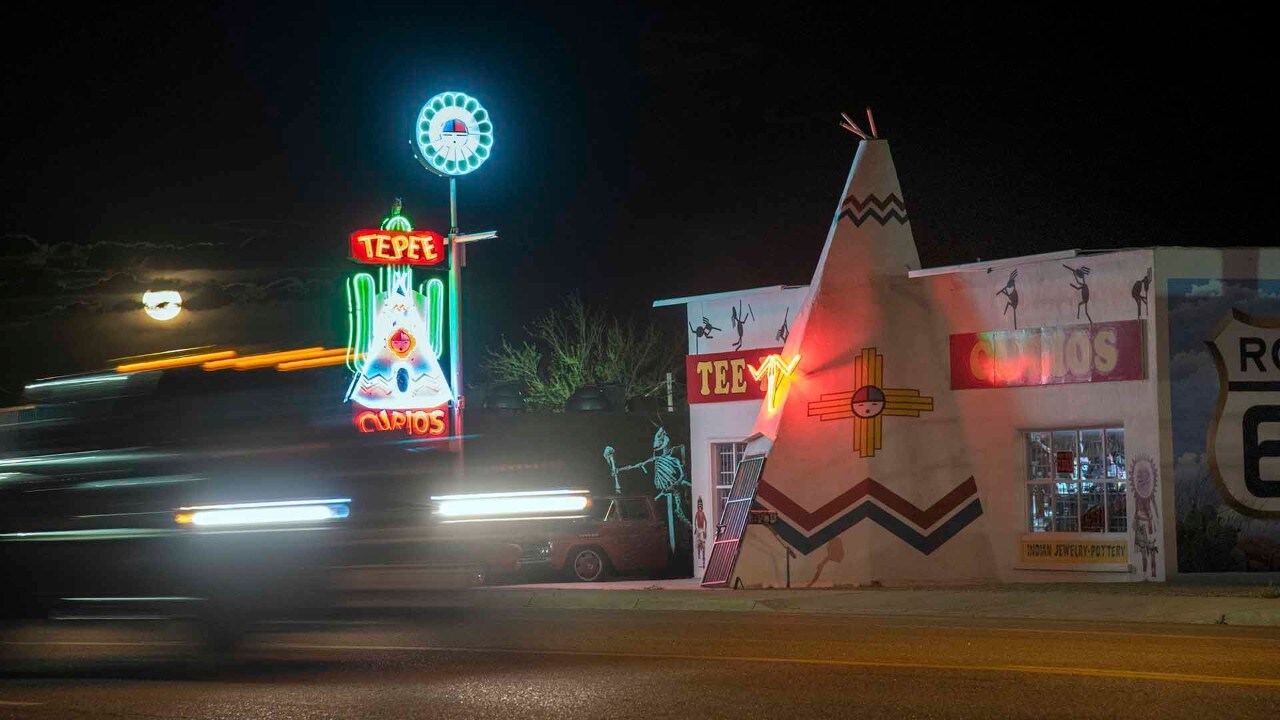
(395, 341)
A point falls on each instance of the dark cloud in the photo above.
(215, 266)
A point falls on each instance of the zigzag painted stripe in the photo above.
(926, 544)
(891, 199)
(924, 519)
(873, 215)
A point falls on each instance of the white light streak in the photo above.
(516, 503)
(76, 381)
(264, 513)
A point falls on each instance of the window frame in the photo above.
(717, 474)
(1111, 484)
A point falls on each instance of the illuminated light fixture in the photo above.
(454, 134)
(560, 503)
(330, 358)
(180, 361)
(249, 362)
(162, 304)
(263, 513)
(76, 381)
(266, 359)
(779, 373)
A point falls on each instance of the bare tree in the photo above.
(574, 345)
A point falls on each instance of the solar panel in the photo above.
(733, 522)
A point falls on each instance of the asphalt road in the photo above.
(636, 664)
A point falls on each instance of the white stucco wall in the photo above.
(768, 309)
(970, 432)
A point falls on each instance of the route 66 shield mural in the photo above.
(1244, 434)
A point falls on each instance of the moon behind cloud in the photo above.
(162, 304)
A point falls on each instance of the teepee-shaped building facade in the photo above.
(861, 488)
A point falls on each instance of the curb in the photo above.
(1237, 611)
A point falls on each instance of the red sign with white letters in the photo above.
(1099, 352)
(397, 247)
(724, 377)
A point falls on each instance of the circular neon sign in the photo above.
(454, 134)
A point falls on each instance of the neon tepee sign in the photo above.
(395, 339)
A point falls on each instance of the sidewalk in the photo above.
(1201, 600)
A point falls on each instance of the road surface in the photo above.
(637, 664)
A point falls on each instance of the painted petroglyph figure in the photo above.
(704, 330)
(1010, 293)
(739, 321)
(1141, 292)
(1080, 274)
(785, 331)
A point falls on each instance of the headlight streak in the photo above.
(85, 535)
(75, 381)
(86, 456)
(543, 504)
(513, 519)
(263, 513)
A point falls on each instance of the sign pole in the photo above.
(457, 258)
(453, 136)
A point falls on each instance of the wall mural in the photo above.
(738, 320)
(784, 330)
(1227, 510)
(669, 477)
(1144, 477)
(835, 554)
(923, 529)
(868, 402)
(1141, 292)
(1080, 273)
(703, 331)
(700, 533)
(1010, 293)
(750, 320)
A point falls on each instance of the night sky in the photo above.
(228, 151)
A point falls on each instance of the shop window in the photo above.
(1076, 481)
(725, 457)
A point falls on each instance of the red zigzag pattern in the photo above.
(923, 519)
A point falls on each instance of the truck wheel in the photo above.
(588, 564)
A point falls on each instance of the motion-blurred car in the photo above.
(617, 535)
(223, 496)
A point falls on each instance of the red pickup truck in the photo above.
(622, 535)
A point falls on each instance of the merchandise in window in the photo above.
(1076, 481)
